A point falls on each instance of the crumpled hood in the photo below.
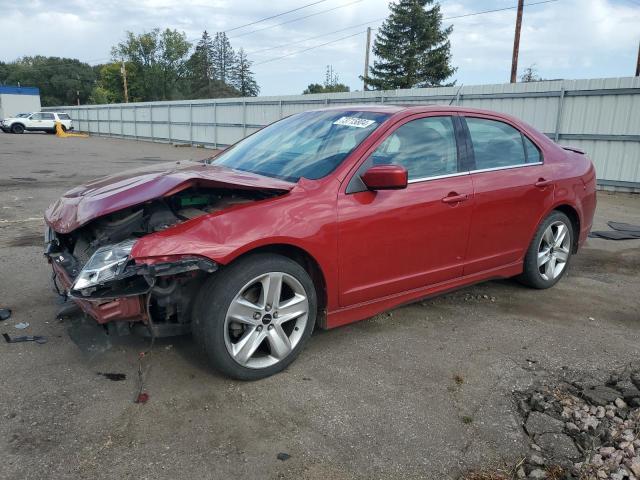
(110, 194)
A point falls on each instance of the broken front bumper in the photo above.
(125, 296)
(103, 310)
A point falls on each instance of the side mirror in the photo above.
(386, 177)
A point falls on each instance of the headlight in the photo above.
(106, 263)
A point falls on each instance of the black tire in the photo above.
(215, 297)
(532, 275)
(17, 128)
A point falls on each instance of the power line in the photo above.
(377, 20)
(310, 48)
(274, 16)
(296, 19)
(315, 37)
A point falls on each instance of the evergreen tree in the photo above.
(412, 48)
(223, 58)
(200, 67)
(242, 76)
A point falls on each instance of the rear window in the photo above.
(47, 116)
(64, 116)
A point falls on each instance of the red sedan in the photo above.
(322, 218)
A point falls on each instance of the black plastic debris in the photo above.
(24, 338)
(620, 231)
(283, 456)
(114, 377)
(5, 313)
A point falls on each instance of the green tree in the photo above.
(200, 68)
(331, 84)
(223, 58)
(242, 77)
(159, 58)
(62, 81)
(530, 74)
(412, 48)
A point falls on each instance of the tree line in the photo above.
(159, 65)
(411, 50)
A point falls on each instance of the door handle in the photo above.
(541, 183)
(455, 198)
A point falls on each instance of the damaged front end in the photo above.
(93, 264)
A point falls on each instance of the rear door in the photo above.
(48, 120)
(512, 187)
(392, 241)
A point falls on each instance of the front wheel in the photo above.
(17, 128)
(548, 255)
(254, 317)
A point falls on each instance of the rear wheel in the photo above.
(254, 317)
(548, 256)
(17, 128)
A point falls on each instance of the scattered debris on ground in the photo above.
(21, 325)
(621, 231)
(5, 313)
(143, 397)
(283, 456)
(25, 338)
(114, 377)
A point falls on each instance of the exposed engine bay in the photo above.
(164, 292)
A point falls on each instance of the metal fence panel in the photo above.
(601, 116)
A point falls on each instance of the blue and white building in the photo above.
(14, 100)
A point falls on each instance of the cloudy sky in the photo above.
(563, 38)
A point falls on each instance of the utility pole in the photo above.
(123, 70)
(366, 60)
(516, 43)
(638, 62)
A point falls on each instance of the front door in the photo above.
(398, 240)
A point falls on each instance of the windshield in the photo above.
(310, 144)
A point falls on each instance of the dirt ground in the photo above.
(424, 391)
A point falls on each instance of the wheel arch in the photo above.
(571, 212)
(306, 261)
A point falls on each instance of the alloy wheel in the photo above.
(266, 320)
(554, 250)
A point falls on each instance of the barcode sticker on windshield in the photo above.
(354, 122)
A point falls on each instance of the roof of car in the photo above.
(391, 108)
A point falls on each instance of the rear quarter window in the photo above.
(64, 116)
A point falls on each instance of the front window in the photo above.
(309, 145)
(426, 147)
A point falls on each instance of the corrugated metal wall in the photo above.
(600, 116)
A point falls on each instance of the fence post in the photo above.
(135, 122)
(280, 109)
(151, 121)
(169, 120)
(109, 119)
(215, 125)
(244, 118)
(191, 124)
(556, 135)
(121, 123)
